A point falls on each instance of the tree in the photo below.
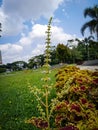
(63, 53)
(81, 48)
(54, 59)
(36, 61)
(93, 23)
(75, 54)
(2, 68)
(9, 66)
(17, 65)
(86, 41)
(93, 49)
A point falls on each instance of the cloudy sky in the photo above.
(24, 23)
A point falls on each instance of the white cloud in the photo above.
(9, 24)
(13, 13)
(37, 35)
(11, 48)
(38, 50)
(39, 30)
(11, 52)
(59, 36)
(33, 43)
(32, 8)
(25, 41)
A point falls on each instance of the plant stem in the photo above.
(47, 108)
(47, 71)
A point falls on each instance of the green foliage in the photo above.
(93, 23)
(17, 65)
(36, 61)
(77, 98)
(63, 53)
(86, 49)
(16, 101)
(54, 58)
(2, 69)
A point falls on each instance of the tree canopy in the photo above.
(93, 23)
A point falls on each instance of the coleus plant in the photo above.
(77, 95)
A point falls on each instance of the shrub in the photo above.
(2, 70)
(77, 98)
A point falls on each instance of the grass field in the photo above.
(16, 100)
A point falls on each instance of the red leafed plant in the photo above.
(77, 95)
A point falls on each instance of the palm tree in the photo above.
(86, 41)
(93, 23)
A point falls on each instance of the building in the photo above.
(0, 58)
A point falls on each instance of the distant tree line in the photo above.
(86, 49)
(15, 66)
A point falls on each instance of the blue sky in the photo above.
(24, 24)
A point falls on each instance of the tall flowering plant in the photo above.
(44, 107)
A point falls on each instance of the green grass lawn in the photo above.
(16, 101)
